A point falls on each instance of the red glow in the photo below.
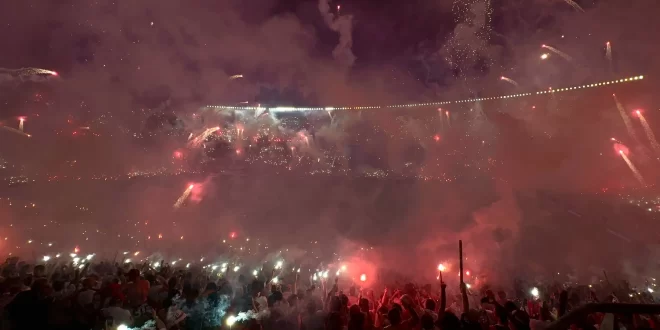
(160, 236)
(533, 107)
(543, 46)
(55, 73)
(436, 138)
(238, 151)
(191, 186)
(76, 250)
(439, 109)
(232, 234)
(75, 132)
(639, 113)
(21, 118)
(608, 43)
(447, 113)
(178, 154)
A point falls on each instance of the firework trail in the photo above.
(442, 122)
(13, 130)
(574, 5)
(632, 167)
(626, 118)
(649, 132)
(448, 119)
(21, 121)
(184, 196)
(509, 80)
(608, 53)
(198, 140)
(558, 52)
(25, 73)
(236, 76)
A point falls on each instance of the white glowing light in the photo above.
(279, 264)
(441, 267)
(236, 268)
(650, 290)
(46, 258)
(57, 255)
(188, 265)
(127, 261)
(255, 272)
(343, 268)
(276, 280)
(122, 327)
(76, 260)
(89, 257)
(231, 320)
(214, 267)
(72, 255)
(156, 265)
(535, 292)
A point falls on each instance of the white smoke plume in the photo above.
(344, 26)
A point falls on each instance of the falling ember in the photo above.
(184, 196)
(509, 80)
(363, 277)
(608, 53)
(558, 52)
(649, 132)
(545, 56)
(632, 167)
(232, 234)
(448, 119)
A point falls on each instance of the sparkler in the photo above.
(649, 132)
(509, 80)
(632, 167)
(184, 196)
(558, 52)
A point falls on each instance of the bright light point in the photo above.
(621, 152)
(638, 112)
(467, 273)
(191, 186)
(53, 73)
(613, 139)
(535, 292)
(544, 56)
(502, 78)
(468, 285)
(231, 320)
(279, 264)
(436, 138)
(363, 277)
(89, 256)
(236, 268)
(127, 261)
(441, 267)
(650, 290)
(156, 265)
(343, 268)
(72, 255)
(46, 258)
(57, 255)
(275, 280)
(255, 272)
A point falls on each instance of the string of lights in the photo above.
(260, 109)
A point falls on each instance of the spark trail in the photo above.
(21, 121)
(649, 132)
(574, 5)
(25, 73)
(632, 167)
(626, 119)
(236, 76)
(608, 53)
(184, 196)
(13, 130)
(558, 52)
(198, 140)
(509, 80)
